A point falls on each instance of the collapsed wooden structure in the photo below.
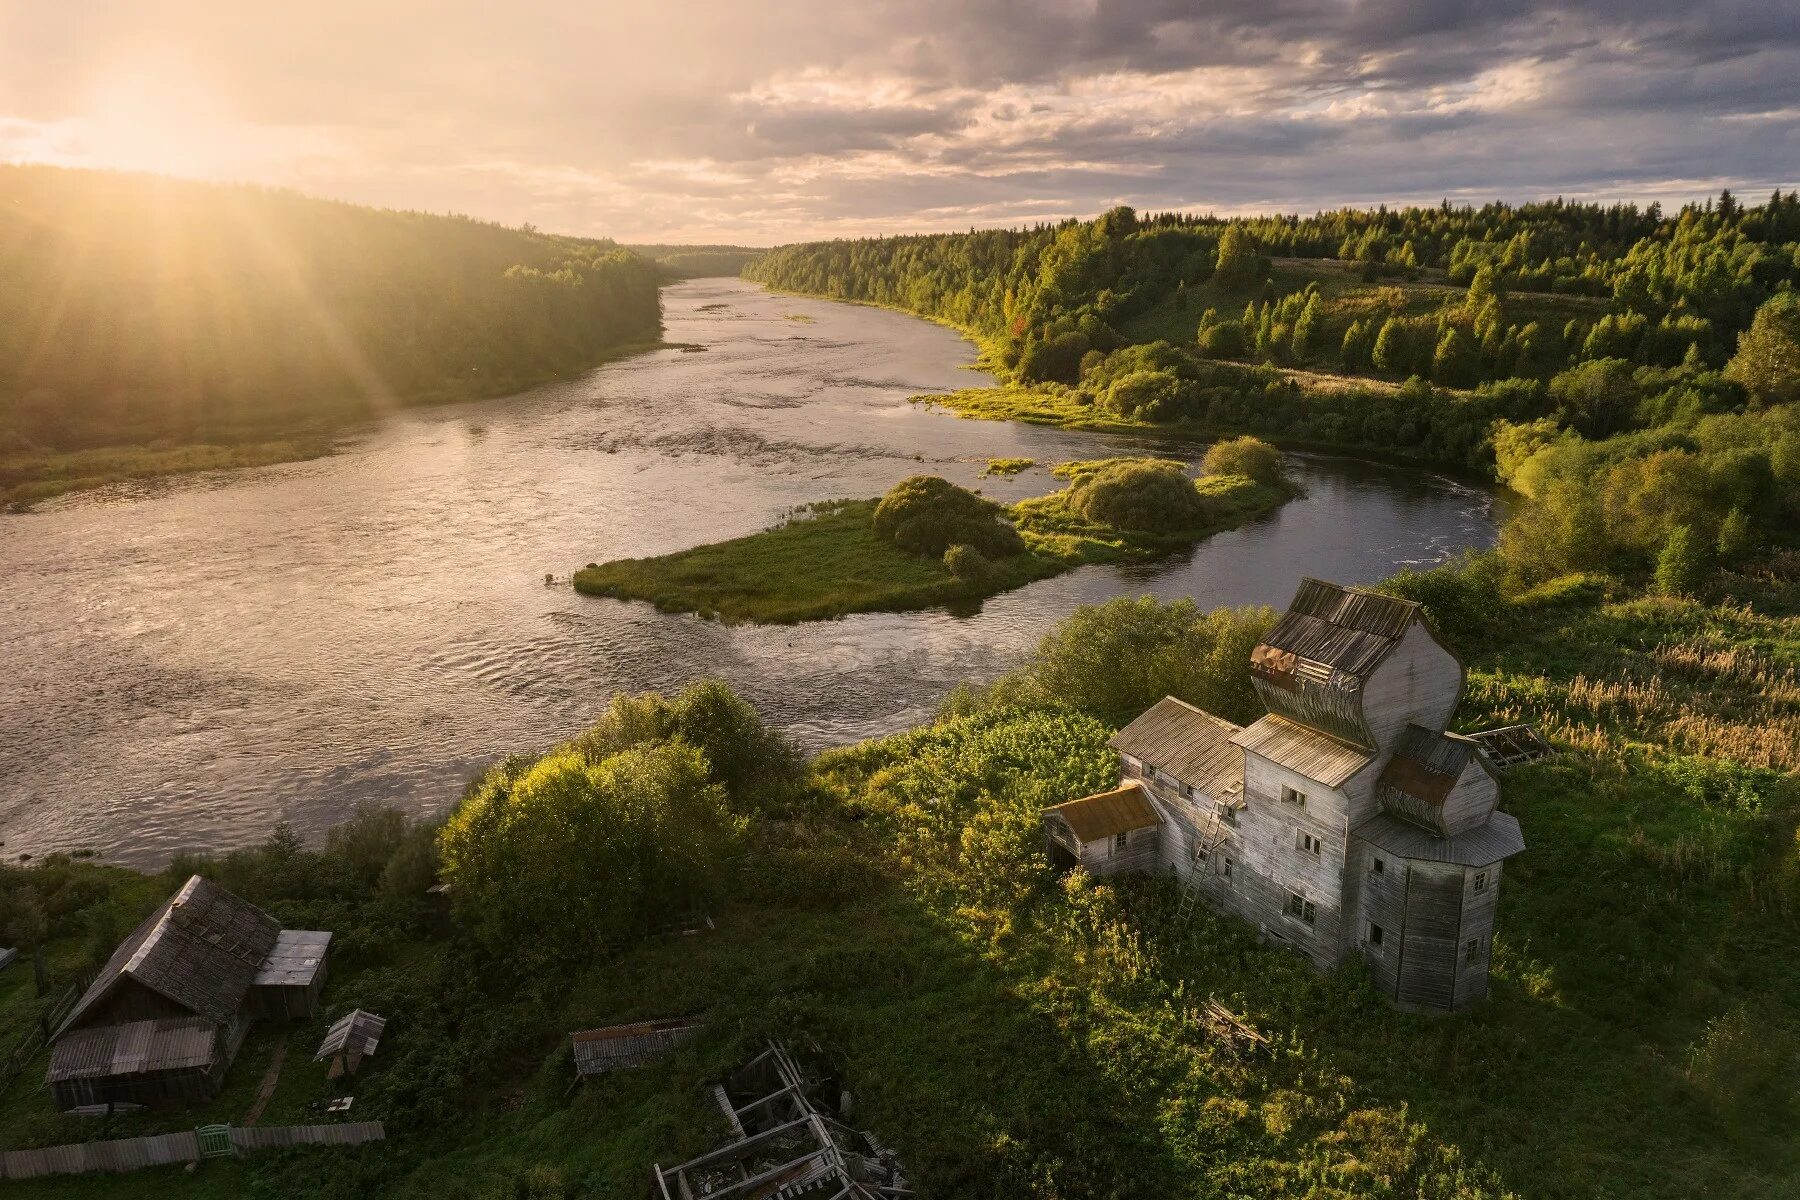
(622, 1047)
(163, 1019)
(785, 1144)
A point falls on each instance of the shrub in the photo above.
(1142, 495)
(1681, 567)
(1224, 340)
(1247, 456)
(1146, 394)
(927, 515)
(969, 564)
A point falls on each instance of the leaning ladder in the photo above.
(1212, 836)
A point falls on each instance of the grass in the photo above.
(1011, 1034)
(827, 562)
(1008, 466)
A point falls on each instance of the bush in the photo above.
(927, 515)
(1224, 340)
(1149, 395)
(1141, 495)
(1247, 456)
(1682, 566)
(969, 564)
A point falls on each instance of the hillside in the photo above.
(699, 262)
(146, 322)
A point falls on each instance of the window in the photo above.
(1481, 881)
(1374, 934)
(1472, 950)
(1119, 842)
(1290, 796)
(1377, 867)
(1307, 844)
(1227, 813)
(1300, 907)
(1228, 868)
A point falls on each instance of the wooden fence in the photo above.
(131, 1154)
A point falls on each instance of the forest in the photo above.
(1634, 372)
(143, 316)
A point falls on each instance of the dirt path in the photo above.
(266, 1090)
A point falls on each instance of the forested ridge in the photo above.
(1633, 372)
(139, 310)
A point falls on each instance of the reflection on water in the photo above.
(187, 663)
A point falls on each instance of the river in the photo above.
(184, 663)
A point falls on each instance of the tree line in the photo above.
(135, 309)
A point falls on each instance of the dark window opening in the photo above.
(1374, 935)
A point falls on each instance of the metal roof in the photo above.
(357, 1032)
(1187, 742)
(1499, 838)
(295, 959)
(1108, 813)
(1311, 665)
(1304, 751)
(618, 1047)
(201, 948)
(134, 1048)
(7, 954)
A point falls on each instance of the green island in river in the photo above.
(832, 558)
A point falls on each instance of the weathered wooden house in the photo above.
(164, 1018)
(1346, 821)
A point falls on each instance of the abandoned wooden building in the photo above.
(622, 1047)
(167, 1013)
(1346, 821)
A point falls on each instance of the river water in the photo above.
(185, 663)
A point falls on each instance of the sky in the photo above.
(769, 121)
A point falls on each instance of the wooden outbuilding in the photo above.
(1105, 833)
(351, 1038)
(163, 1019)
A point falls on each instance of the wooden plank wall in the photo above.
(132, 1154)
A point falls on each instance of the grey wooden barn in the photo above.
(1346, 821)
(164, 1018)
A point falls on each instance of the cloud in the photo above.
(717, 120)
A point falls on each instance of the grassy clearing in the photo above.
(828, 562)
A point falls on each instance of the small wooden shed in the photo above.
(1105, 833)
(351, 1038)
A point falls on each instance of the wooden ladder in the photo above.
(1212, 835)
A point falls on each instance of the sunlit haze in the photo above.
(777, 120)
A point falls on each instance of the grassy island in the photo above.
(832, 558)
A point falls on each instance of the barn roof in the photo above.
(1187, 742)
(1486, 844)
(201, 948)
(617, 1047)
(1108, 813)
(357, 1032)
(134, 1048)
(1304, 751)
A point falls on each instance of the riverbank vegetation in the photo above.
(891, 903)
(1405, 333)
(929, 543)
(153, 325)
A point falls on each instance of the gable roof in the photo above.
(1187, 742)
(1304, 751)
(357, 1032)
(1106, 814)
(201, 949)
